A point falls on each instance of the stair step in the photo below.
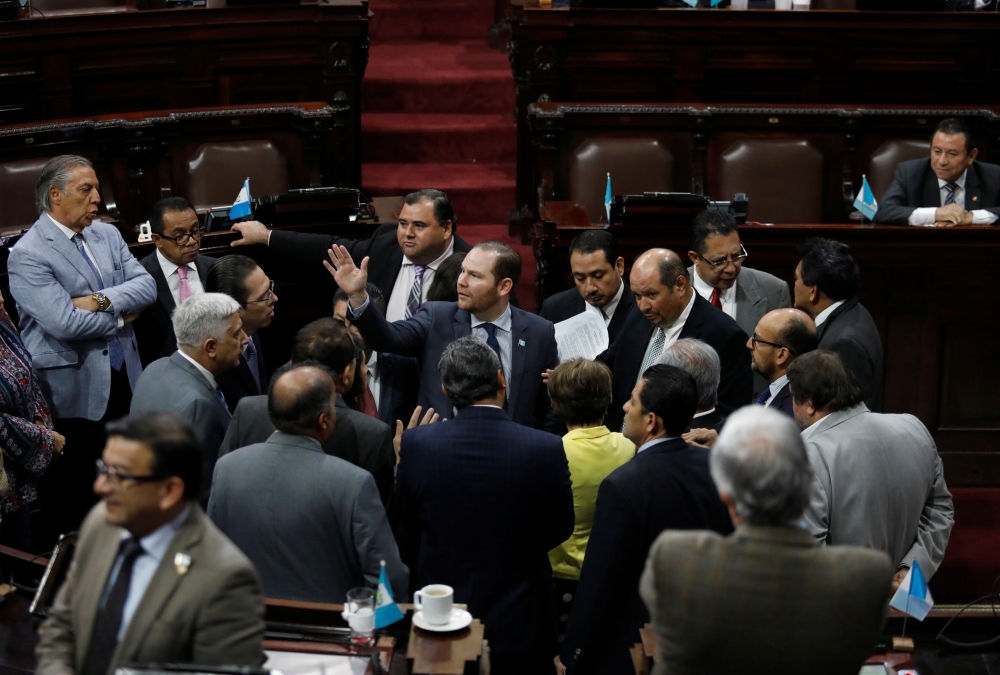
(430, 19)
(393, 137)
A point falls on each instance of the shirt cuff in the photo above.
(923, 216)
(268, 242)
(983, 217)
(121, 323)
(355, 313)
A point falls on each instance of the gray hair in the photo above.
(701, 362)
(298, 412)
(56, 174)
(203, 316)
(761, 462)
(468, 370)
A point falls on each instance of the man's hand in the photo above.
(560, 668)
(87, 303)
(58, 442)
(347, 275)
(952, 213)
(129, 318)
(430, 417)
(253, 232)
(545, 376)
(701, 437)
(898, 577)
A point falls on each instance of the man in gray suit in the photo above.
(210, 339)
(879, 481)
(768, 600)
(78, 289)
(311, 523)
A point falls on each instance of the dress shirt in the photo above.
(608, 311)
(926, 215)
(396, 309)
(707, 412)
(775, 387)
(503, 337)
(154, 547)
(174, 281)
(726, 296)
(649, 444)
(90, 254)
(670, 334)
(825, 314)
(374, 379)
(201, 369)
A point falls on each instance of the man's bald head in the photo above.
(302, 401)
(661, 286)
(791, 333)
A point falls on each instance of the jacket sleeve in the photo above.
(374, 542)
(405, 338)
(312, 248)
(894, 209)
(817, 514)
(545, 416)
(736, 383)
(138, 291)
(230, 627)
(934, 529)
(856, 359)
(231, 441)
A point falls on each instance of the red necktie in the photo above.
(716, 298)
(367, 403)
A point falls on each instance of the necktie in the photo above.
(414, 300)
(184, 291)
(251, 356)
(222, 398)
(716, 298)
(107, 624)
(950, 188)
(764, 395)
(367, 403)
(494, 344)
(655, 350)
(115, 349)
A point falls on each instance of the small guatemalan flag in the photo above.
(607, 198)
(913, 597)
(865, 202)
(241, 207)
(386, 610)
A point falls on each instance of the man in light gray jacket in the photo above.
(879, 482)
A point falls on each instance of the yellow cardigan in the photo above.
(592, 453)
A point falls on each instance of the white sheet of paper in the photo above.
(299, 663)
(581, 336)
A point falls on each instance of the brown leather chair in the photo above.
(887, 157)
(636, 165)
(387, 208)
(782, 178)
(217, 170)
(17, 184)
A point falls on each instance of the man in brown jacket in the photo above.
(152, 580)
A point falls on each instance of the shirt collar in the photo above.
(705, 290)
(65, 230)
(776, 386)
(169, 267)
(682, 319)
(502, 322)
(960, 182)
(609, 309)
(649, 444)
(201, 369)
(702, 414)
(434, 265)
(156, 543)
(825, 314)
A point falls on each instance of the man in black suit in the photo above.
(826, 287)
(240, 278)
(668, 486)
(597, 271)
(404, 256)
(486, 499)
(951, 188)
(667, 309)
(699, 360)
(525, 343)
(781, 336)
(179, 272)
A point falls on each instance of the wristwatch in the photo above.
(101, 300)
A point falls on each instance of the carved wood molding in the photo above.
(656, 109)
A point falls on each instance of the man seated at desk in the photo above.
(951, 188)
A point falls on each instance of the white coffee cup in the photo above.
(434, 602)
(782, 4)
(800, 4)
(740, 4)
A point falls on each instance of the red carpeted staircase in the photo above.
(438, 112)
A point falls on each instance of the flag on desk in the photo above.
(386, 610)
(913, 597)
(241, 207)
(607, 198)
(865, 202)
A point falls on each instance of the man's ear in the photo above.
(693, 257)
(505, 286)
(501, 381)
(171, 492)
(450, 226)
(972, 155)
(209, 346)
(620, 266)
(813, 294)
(346, 376)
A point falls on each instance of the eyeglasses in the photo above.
(185, 239)
(719, 264)
(268, 297)
(116, 477)
(755, 340)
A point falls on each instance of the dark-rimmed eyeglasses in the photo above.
(117, 478)
(756, 340)
(268, 297)
(719, 264)
(185, 239)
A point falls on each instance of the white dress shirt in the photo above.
(670, 334)
(726, 296)
(608, 311)
(702, 414)
(374, 379)
(201, 369)
(825, 314)
(503, 323)
(396, 309)
(775, 387)
(926, 215)
(174, 281)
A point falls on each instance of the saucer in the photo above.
(459, 620)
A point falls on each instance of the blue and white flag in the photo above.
(386, 610)
(913, 597)
(865, 202)
(241, 207)
(607, 199)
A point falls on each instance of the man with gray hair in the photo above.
(768, 599)
(700, 361)
(487, 499)
(78, 289)
(210, 339)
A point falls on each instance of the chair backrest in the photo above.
(834, 4)
(782, 178)
(17, 184)
(884, 161)
(636, 165)
(216, 172)
(387, 208)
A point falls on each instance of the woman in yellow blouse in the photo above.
(580, 391)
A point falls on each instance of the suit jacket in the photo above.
(485, 518)
(666, 486)
(174, 385)
(914, 185)
(312, 524)
(357, 438)
(850, 332)
(154, 328)
(399, 386)
(239, 383)
(69, 346)
(569, 303)
(783, 401)
(213, 614)
(879, 484)
(706, 323)
(426, 334)
(713, 420)
(800, 608)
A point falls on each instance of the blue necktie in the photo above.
(251, 357)
(107, 623)
(115, 350)
(494, 344)
(764, 395)
(950, 188)
(222, 398)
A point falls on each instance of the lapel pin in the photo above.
(182, 561)
(976, 198)
(521, 343)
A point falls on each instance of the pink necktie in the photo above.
(185, 290)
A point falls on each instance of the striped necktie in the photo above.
(950, 188)
(414, 300)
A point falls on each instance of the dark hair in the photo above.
(954, 125)
(299, 413)
(821, 378)
(592, 241)
(580, 391)
(228, 275)
(670, 268)
(711, 223)
(374, 292)
(469, 371)
(508, 262)
(171, 204)
(445, 285)
(798, 336)
(829, 265)
(325, 341)
(671, 394)
(175, 448)
(443, 212)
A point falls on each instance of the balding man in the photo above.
(781, 336)
(667, 309)
(311, 523)
(700, 361)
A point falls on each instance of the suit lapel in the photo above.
(163, 295)
(973, 189)
(462, 324)
(187, 367)
(105, 550)
(518, 348)
(98, 246)
(68, 250)
(692, 327)
(932, 193)
(203, 263)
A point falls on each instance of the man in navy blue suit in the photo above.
(486, 499)
(525, 343)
